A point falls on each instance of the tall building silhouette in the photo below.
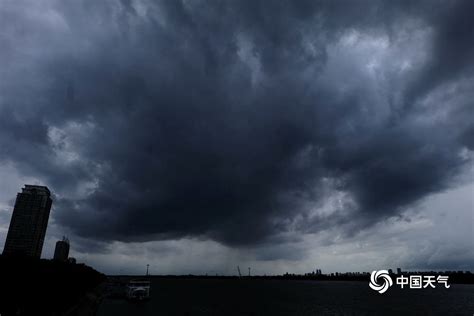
(61, 252)
(29, 222)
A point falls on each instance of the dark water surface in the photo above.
(282, 297)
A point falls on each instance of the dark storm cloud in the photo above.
(154, 121)
(452, 48)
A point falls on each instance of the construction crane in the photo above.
(238, 269)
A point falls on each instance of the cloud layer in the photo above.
(240, 122)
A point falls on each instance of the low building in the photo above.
(61, 252)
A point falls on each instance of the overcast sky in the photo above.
(200, 135)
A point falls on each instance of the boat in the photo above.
(138, 290)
